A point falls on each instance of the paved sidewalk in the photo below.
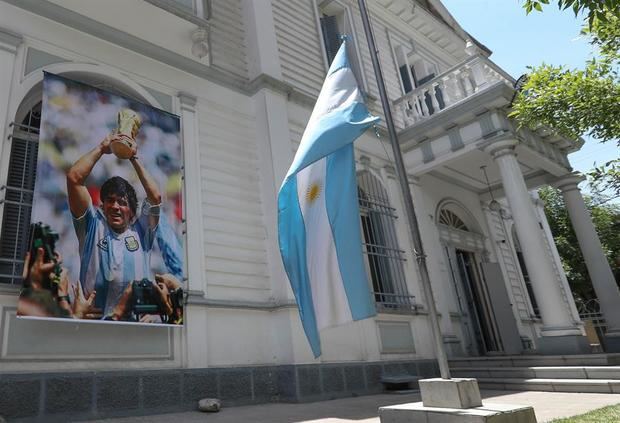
(547, 405)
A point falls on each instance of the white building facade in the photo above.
(243, 76)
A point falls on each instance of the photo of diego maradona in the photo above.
(117, 244)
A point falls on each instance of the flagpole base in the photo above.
(417, 413)
(450, 393)
(454, 401)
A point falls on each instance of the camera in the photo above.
(42, 236)
(145, 299)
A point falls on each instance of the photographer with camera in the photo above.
(45, 293)
(151, 302)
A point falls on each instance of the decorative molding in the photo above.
(500, 146)
(390, 171)
(37, 59)
(112, 35)
(201, 43)
(188, 101)
(365, 162)
(395, 337)
(243, 305)
(7, 289)
(496, 93)
(456, 141)
(570, 182)
(486, 124)
(265, 81)
(169, 6)
(9, 41)
(164, 100)
(195, 293)
(46, 347)
(427, 151)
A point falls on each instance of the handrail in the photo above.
(451, 87)
(439, 77)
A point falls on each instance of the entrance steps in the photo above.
(572, 373)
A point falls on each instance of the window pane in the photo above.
(185, 4)
(404, 75)
(331, 36)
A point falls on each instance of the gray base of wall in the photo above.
(563, 345)
(51, 397)
(611, 343)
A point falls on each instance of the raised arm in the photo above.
(153, 194)
(79, 198)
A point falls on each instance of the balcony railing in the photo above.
(453, 86)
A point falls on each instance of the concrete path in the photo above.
(547, 405)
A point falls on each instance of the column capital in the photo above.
(9, 41)
(390, 171)
(187, 100)
(570, 182)
(413, 181)
(364, 162)
(501, 148)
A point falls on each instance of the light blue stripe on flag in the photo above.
(343, 212)
(318, 212)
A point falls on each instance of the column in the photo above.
(195, 329)
(263, 54)
(599, 270)
(275, 153)
(560, 333)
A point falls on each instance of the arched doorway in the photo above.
(463, 245)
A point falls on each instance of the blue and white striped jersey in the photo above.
(110, 261)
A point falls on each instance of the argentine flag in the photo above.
(318, 213)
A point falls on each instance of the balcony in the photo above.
(453, 87)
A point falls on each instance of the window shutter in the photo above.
(404, 75)
(18, 204)
(331, 36)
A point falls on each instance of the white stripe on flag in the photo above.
(331, 305)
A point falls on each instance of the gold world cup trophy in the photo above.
(124, 144)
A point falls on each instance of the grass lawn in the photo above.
(602, 415)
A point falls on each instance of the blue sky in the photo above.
(518, 40)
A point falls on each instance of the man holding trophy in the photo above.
(116, 238)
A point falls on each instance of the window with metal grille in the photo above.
(384, 257)
(17, 198)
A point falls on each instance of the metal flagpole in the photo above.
(404, 186)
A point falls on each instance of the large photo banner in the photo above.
(105, 242)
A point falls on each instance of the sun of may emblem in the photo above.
(313, 192)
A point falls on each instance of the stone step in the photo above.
(537, 360)
(540, 372)
(604, 386)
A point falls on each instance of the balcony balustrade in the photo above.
(454, 86)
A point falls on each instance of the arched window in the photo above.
(451, 219)
(18, 195)
(384, 257)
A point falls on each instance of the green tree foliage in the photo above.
(606, 218)
(577, 102)
(595, 9)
